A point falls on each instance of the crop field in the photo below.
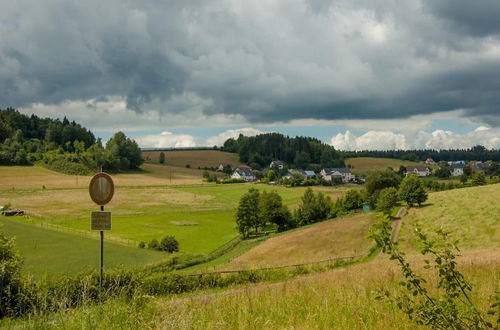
(47, 252)
(193, 158)
(363, 165)
(336, 238)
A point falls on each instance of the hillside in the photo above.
(193, 158)
(363, 165)
(337, 238)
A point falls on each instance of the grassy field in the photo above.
(47, 252)
(339, 299)
(337, 238)
(35, 177)
(193, 158)
(363, 165)
(472, 214)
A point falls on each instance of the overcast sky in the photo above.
(357, 74)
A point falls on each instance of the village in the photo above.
(279, 173)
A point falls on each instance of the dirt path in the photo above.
(396, 223)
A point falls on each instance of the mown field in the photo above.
(363, 165)
(193, 158)
(343, 237)
(47, 252)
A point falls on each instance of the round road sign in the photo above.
(101, 188)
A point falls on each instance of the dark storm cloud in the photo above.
(265, 61)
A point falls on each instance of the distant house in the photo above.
(457, 169)
(459, 162)
(430, 161)
(417, 170)
(310, 174)
(342, 173)
(479, 167)
(277, 163)
(245, 174)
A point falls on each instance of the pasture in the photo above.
(363, 165)
(471, 214)
(193, 158)
(47, 252)
(343, 237)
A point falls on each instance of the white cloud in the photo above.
(232, 133)
(166, 140)
(438, 139)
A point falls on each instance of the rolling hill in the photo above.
(363, 165)
(193, 158)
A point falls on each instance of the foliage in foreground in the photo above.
(451, 307)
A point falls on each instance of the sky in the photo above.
(356, 74)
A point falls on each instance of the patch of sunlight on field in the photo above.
(331, 239)
(472, 214)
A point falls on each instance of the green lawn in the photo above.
(47, 252)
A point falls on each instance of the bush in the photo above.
(169, 244)
(142, 245)
(153, 244)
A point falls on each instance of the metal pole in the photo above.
(102, 255)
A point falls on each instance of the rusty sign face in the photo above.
(101, 188)
(100, 221)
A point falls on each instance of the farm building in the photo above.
(417, 170)
(457, 169)
(277, 163)
(342, 173)
(245, 174)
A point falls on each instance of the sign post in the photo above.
(101, 190)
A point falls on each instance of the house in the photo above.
(459, 162)
(457, 169)
(310, 174)
(479, 167)
(430, 161)
(277, 163)
(245, 174)
(342, 173)
(417, 170)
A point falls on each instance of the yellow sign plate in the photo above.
(100, 221)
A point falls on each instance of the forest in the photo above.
(258, 151)
(478, 152)
(63, 146)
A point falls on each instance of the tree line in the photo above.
(63, 146)
(475, 153)
(258, 151)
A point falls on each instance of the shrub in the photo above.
(169, 244)
(142, 245)
(153, 244)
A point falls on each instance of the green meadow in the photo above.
(46, 252)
